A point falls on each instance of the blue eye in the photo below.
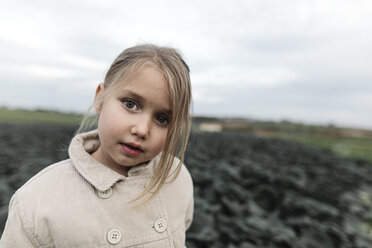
(163, 120)
(129, 104)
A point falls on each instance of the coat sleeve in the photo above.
(14, 234)
(189, 214)
(190, 207)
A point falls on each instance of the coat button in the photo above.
(114, 236)
(105, 194)
(160, 225)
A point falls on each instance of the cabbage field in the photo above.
(250, 191)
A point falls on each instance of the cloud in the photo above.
(300, 59)
(250, 76)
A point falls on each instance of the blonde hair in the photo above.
(170, 62)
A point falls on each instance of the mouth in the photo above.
(133, 146)
(131, 149)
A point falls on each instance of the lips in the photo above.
(134, 146)
(131, 149)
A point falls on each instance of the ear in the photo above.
(99, 90)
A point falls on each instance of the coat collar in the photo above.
(97, 174)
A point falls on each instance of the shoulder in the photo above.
(32, 202)
(178, 196)
(184, 174)
(47, 180)
(180, 184)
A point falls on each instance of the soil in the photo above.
(249, 191)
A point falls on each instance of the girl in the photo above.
(122, 185)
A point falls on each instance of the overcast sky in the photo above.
(304, 61)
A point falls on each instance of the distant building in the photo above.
(210, 127)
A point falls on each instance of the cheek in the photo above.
(109, 121)
(107, 130)
(161, 140)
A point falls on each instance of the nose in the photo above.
(141, 127)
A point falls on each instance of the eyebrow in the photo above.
(141, 98)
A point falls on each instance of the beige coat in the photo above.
(81, 203)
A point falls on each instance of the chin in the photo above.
(130, 162)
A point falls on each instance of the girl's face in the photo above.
(133, 121)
